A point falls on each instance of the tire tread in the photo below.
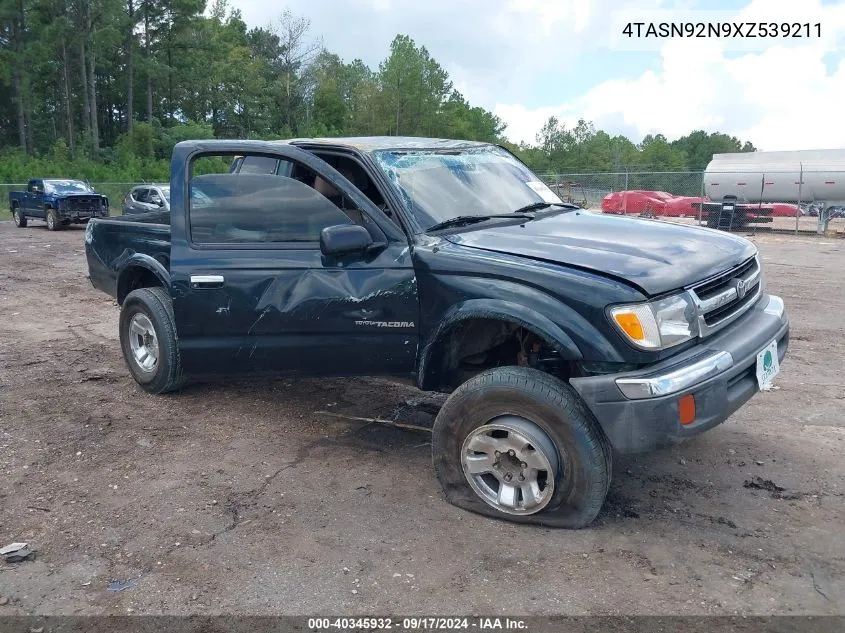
(156, 302)
(546, 390)
(23, 222)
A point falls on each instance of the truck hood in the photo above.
(655, 256)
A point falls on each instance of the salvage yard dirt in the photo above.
(241, 498)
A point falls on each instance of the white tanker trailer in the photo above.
(813, 178)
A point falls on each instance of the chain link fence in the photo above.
(799, 201)
(805, 202)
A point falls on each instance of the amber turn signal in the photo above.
(630, 324)
(686, 409)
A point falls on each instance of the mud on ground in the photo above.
(240, 498)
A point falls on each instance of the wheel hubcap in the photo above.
(143, 342)
(512, 464)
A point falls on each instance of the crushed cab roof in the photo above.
(374, 143)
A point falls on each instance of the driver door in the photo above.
(33, 202)
(252, 290)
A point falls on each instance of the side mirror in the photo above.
(160, 203)
(344, 238)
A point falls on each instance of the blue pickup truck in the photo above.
(57, 202)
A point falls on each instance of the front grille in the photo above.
(84, 204)
(718, 315)
(81, 202)
(709, 288)
(723, 298)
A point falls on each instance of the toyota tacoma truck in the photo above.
(57, 202)
(560, 335)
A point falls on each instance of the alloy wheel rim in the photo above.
(511, 464)
(143, 342)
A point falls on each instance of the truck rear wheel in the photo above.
(148, 340)
(515, 443)
(53, 222)
(18, 216)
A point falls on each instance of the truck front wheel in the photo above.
(18, 216)
(148, 340)
(53, 222)
(515, 443)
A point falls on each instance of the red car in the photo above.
(657, 203)
(782, 210)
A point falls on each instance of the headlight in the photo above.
(657, 324)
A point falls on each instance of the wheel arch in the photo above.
(140, 271)
(439, 342)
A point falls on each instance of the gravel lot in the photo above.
(807, 226)
(240, 498)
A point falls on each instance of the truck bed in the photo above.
(110, 242)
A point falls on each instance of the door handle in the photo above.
(207, 281)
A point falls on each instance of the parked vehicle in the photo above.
(775, 176)
(663, 204)
(560, 334)
(57, 202)
(650, 203)
(146, 198)
(785, 210)
(156, 199)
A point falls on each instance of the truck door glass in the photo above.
(253, 208)
(140, 195)
(356, 174)
(258, 165)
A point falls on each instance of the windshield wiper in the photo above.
(463, 220)
(536, 206)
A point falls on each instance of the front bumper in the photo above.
(78, 216)
(638, 411)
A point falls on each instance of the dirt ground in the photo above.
(240, 498)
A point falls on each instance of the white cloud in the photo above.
(782, 97)
(525, 59)
(549, 14)
(496, 51)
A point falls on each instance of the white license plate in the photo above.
(767, 366)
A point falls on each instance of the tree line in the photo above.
(103, 89)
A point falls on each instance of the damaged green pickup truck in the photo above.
(561, 335)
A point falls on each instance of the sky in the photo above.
(527, 60)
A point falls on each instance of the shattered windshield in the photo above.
(66, 186)
(437, 185)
